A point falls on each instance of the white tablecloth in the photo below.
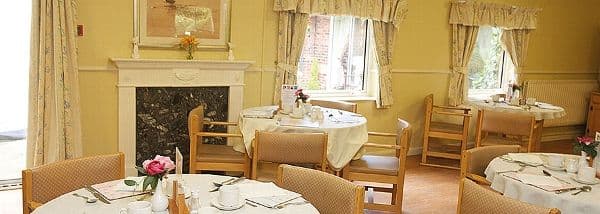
(345, 139)
(68, 203)
(539, 113)
(585, 202)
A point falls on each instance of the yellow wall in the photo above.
(565, 45)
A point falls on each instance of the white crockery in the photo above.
(571, 165)
(586, 173)
(229, 195)
(556, 160)
(137, 207)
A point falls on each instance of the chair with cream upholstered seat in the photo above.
(288, 148)
(328, 193)
(384, 169)
(44, 183)
(211, 156)
(475, 199)
(450, 138)
(335, 104)
(506, 128)
(475, 160)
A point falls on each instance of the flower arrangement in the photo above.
(188, 43)
(154, 169)
(586, 144)
(301, 96)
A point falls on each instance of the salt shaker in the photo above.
(195, 203)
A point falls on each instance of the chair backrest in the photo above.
(328, 193)
(506, 123)
(196, 120)
(474, 199)
(335, 104)
(44, 183)
(403, 138)
(475, 160)
(292, 148)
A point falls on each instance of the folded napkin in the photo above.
(539, 180)
(267, 112)
(503, 166)
(266, 194)
(526, 158)
(547, 106)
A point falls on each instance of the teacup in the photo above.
(137, 207)
(586, 173)
(229, 195)
(572, 165)
(556, 160)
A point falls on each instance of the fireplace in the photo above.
(152, 92)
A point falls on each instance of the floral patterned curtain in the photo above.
(54, 120)
(385, 14)
(466, 17)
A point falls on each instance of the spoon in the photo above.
(87, 199)
(583, 189)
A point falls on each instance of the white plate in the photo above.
(593, 182)
(554, 168)
(215, 203)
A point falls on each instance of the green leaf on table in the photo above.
(130, 182)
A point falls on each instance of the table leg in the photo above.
(538, 135)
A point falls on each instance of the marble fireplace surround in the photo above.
(134, 73)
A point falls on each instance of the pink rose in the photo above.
(153, 167)
(585, 140)
(298, 92)
(166, 161)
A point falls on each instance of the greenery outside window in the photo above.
(490, 66)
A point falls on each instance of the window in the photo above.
(490, 66)
(336, 55)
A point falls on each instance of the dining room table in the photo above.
(528, 177)
(540, 111)
(346, 131)
(202, 183)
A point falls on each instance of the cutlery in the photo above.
(281, 206)
(87, 199)
(228, 182)
(97, 194)
(565, 190)
(583, 189)
(251, 204)
(217, 184)
(559, 179)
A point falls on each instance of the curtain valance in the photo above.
(478, 14)
(388, 11)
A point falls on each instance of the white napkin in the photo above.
(547, 106)
(526, 158)
(539, 180)
(503, 166)
(121, 186)
(250, 190)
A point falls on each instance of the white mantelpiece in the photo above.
(134, 73)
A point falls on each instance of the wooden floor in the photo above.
(426, 189)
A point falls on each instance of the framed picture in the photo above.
(159, 23)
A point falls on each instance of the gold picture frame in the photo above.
(160, 23)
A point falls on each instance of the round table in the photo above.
(68, 203)
(586, 202)
(347, 132)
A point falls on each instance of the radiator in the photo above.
(572, 95)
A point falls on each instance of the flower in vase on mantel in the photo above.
(188, 43)
(587, 145)
(154, 169)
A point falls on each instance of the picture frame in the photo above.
(160, 23)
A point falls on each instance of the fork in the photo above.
(281, 206)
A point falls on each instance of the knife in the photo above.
(97, 194)
(565, 190)
(228, 183)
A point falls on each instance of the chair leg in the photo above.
(425, 149)
(394, 192)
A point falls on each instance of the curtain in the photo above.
(516, 43)
(384, 44)
(463, 43)
(292, 30)
(54, 122)
(388, 13)
(473, 13)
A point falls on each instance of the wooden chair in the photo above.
(289, 148)
(444, 131)
(44, 183)
(475, 161)
(384, 169)
(508, 128)
(475, 199)
(328, 193)
(335, 104)
(211, 156)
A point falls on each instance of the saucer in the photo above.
(592, 182)
(296, 116)
(554, 168)
(215, 203)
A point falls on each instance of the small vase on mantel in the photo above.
(159, 200)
